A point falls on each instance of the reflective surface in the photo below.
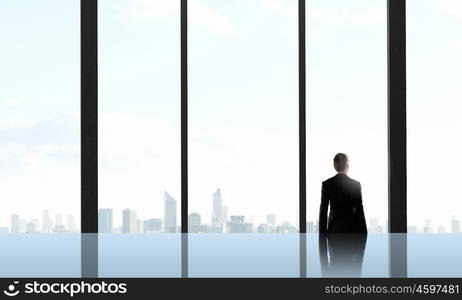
(230, 255)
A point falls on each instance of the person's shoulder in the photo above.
(327, 181)
(356, 182)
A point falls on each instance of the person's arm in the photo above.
(360, 210)
(323, 210)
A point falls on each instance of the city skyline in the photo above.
(235, 224)
(219, 222)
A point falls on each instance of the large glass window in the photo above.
(139, 112)
(243, 122)
(139, 134)
(40, 116)
(40, 138)
(347, 101)
(434, 62)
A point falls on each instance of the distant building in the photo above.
(265, 228)
(217, 209)
(203, 228)
(214, 229)
(194, 223)
(59, 228)
(428, 226)
(169, 213)
(46, 222)
(237, 225)
(455, 226)
(286, 228)
(30, 228)
(14, 224)
(71, 224)
(412, 229)
(271, 220)
(441, 229)
(310, 227)
(129, 221)
(373, 225)
(152, 225)
(105, 220)
(4, 230)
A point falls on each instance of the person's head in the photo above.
(341, 163)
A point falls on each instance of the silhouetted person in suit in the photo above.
(343, 196)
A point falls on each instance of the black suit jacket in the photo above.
(346, 215)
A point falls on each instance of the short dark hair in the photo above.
(340, 162)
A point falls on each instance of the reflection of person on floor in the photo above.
(341, 254)
(342, 195)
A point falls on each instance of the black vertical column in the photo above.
(302, 113)
(397, 185)
(184, 116)
(397, 193)
(302, 133)
(89, 137)
(89, 116)
(184, 138)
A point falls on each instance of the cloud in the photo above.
(200, 14)
(154, 9)
(16, 124)
(63, 129)
(450, 7)
(282, 7)
(11, 102)
(371, 15)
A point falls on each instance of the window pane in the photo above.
(40, 122)
(243, 122)
(40, 137)
(139, 95)
(433, 110)
(347, 101)
(139, 112)
(347, 113)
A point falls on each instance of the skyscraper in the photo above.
(128, 221)
(105, 220)
(217, 210)
(194, 222)
(271, 220)
(14, 223)
(455, 225)
(46, 222)
(169, 213)
(71, 224)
